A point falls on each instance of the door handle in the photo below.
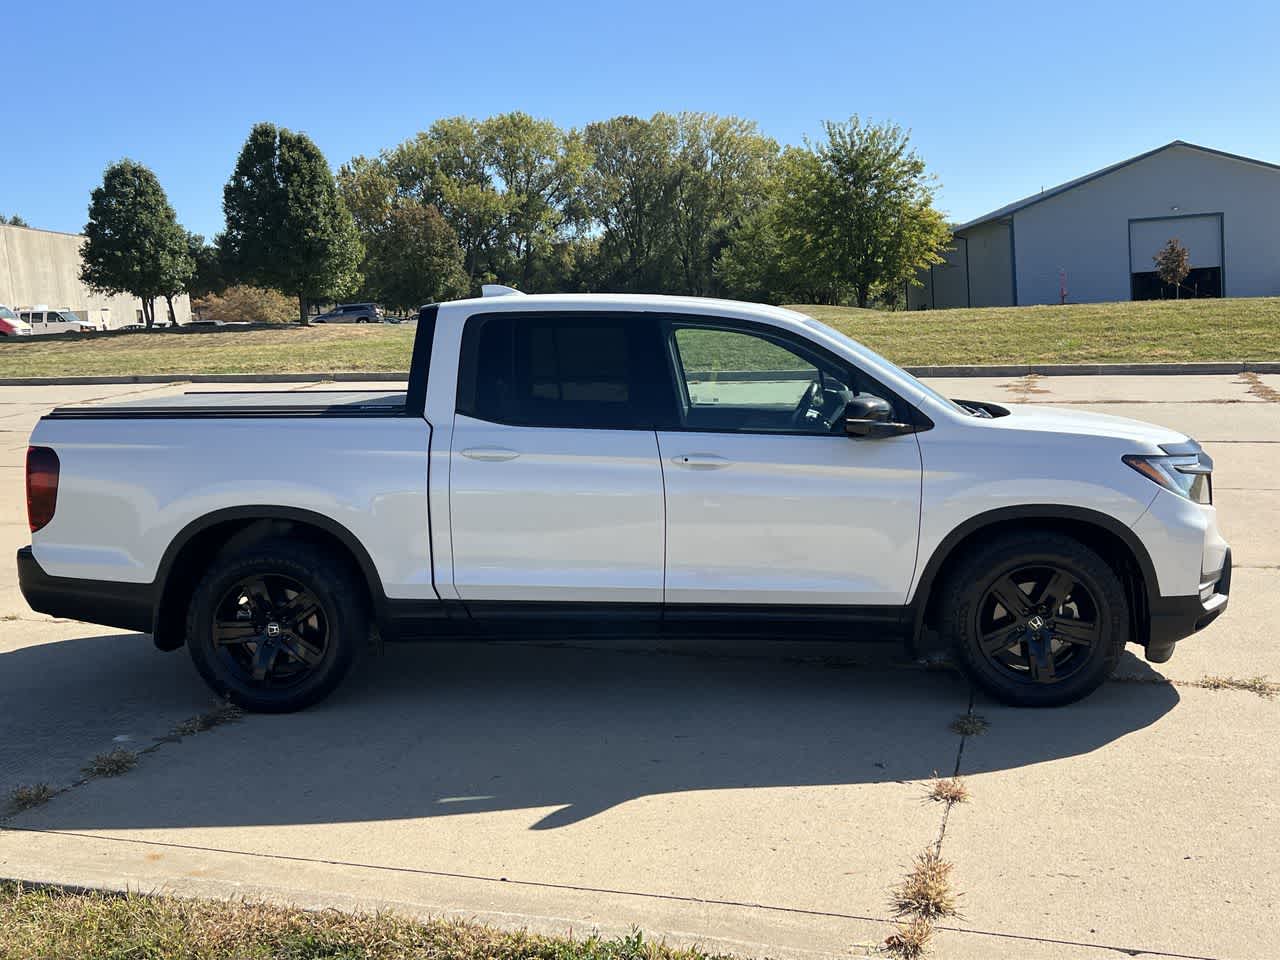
(701, 461)
(489, 453)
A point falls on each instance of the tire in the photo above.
(276, 627)
(1039, 651)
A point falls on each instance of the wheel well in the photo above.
(196, 555)
(1118, 554)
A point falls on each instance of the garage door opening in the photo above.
(1200, 282)
(1200, 234)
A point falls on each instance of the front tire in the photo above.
(275, 628)
(1035, 619)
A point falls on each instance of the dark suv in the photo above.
(351, 313)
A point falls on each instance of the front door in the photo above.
(555, 486)
(769, 501)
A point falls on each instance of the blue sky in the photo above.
(1002, 98)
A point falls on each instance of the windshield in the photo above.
(7, 314)
(859, 348)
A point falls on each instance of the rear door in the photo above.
(769, 501)
(555, 485)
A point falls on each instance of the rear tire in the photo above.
(276, 627)
(1059, 631)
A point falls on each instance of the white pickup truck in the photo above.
(606, 464)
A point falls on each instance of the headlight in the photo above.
(1187, 475)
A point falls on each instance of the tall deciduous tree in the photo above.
(854, 215)
(287, 227)
(1173, 264)
(414, 258)
(537, 167)
(133, 243)
(721, 173)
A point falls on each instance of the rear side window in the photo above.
(589, 371)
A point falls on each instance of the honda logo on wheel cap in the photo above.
(1036, 622)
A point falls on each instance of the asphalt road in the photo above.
(757, 798)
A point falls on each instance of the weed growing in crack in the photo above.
(969, 725)
(926, 891)
(1267, 689)
(112, 763)
(948, 790)
(909, 940)
(26, 796)
(223, 713)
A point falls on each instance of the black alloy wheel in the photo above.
(276, 625)
(270, 631)
(1034, 618)
(1038, 623)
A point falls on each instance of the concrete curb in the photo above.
(1213, 368)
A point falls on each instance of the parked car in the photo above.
(351, 313)
(46, 321)
(11, 325)
(618, 463)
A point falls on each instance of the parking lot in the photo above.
(753, 798)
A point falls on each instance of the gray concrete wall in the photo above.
(1086, 230)
(945, 284)
(990, 265)
(43, 267)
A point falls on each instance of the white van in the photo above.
(10, 325)
(44, 321)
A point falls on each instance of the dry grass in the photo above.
(26, 796)
(970, 725)
(223, 713)
(112, 763)
(909, 940)
(40, 923)
(948, 790)
(1267, 689)
(925, 892)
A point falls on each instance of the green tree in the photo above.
(854, 216)
(414, 258)
(14, 220)
(208, 275)
(1173, 264)
(133, 243)
(721, 172)
(538, 168)
(287, 227)
(630, 192)
(447, 166)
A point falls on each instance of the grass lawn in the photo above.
(39, 923)
(1144, 332)
(1242, 329)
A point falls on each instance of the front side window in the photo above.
(576, 370)
(758, 381)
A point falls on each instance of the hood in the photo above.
(1024, 416)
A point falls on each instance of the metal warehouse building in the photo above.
(1093, 239)
(42, 267)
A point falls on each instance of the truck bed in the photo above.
(243, 404)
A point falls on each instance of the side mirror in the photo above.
(871, 417)
(865, 406)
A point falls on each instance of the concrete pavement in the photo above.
(758, 798)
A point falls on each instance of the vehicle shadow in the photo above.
(443, 729)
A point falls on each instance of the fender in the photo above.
(249, 513)
(1023, 513)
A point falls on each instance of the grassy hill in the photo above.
(1244, 329)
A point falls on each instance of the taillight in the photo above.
(42, 486)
